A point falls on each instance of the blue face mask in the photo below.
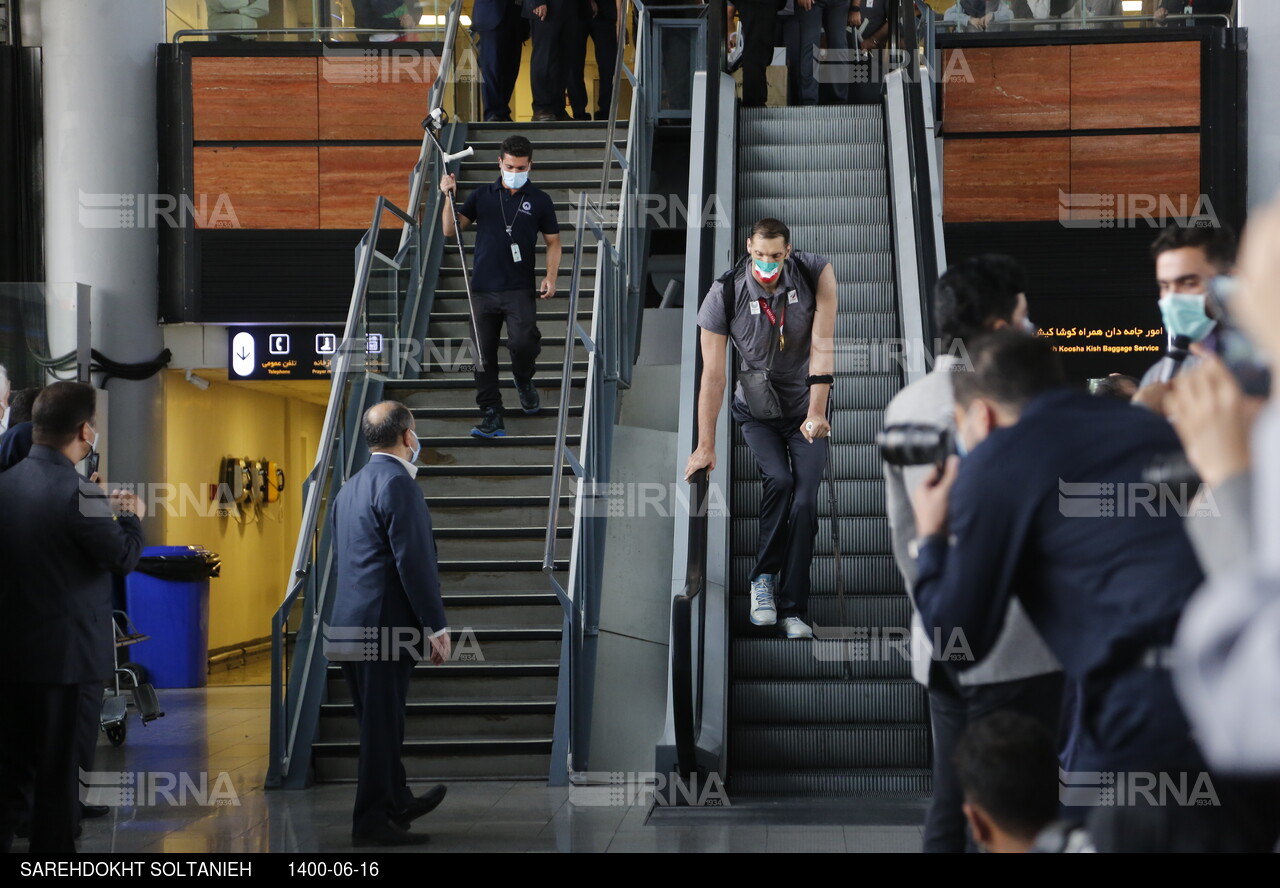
(767, 271)
(417, 448)
(1184, 315)
(514, 180)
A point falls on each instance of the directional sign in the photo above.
(282, 352)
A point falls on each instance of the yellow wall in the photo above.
(200, 428)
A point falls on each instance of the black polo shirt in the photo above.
(492, 208)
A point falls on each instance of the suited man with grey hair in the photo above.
(978, 295)
(387, 616)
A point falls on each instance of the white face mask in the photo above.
(416, 449)
(96, 436)
(514, 180)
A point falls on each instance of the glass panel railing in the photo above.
(995, 16)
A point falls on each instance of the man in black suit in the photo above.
(502, 31)
(599, 21)
(61, 539)
(552, 23)
(387, 615)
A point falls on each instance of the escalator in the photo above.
(819, 716)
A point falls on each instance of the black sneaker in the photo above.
(530, 401)
(491, 425)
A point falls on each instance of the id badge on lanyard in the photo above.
(776, 319)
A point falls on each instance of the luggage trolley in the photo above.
(114, 704)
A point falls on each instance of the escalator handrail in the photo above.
(683, 683)
(904, 44)
(686, 683)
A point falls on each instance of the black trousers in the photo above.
(759, 33)
(604, 37)
(45, 752)
(378, 691)
(547, 63)
(791, 471)
(952, 707)
(519, 310)
(501, 51)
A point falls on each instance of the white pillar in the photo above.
(100, 178)
(1262, 18)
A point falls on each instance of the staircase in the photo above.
(800, 724)
(490, 712)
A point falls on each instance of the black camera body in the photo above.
(912, 444)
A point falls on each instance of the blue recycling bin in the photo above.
(167, 597)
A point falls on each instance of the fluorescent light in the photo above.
(465, 21)
(1131, 5)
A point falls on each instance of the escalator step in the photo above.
(827, 702)
(897, 782)
(838, 237)
(863, 575)
(829, 746)
(838, 155)
(848, 461)
(849, 210)
(858, 536)
(785, 659)
(860, 611)
(797, 186)
(853, 499)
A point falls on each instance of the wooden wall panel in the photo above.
(1007, 89)
(269, 187)
(1127, 85)
(253, 98)
(1143, 174)
(1004, 180)
(375, 97)
(351, 178)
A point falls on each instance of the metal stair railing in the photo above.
(391, 302)
(611, 346)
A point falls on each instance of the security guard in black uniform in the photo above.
(509, 213)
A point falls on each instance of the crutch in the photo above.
(433, 125)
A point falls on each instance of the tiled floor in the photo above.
(224, 730)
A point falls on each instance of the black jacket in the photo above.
(59, 545)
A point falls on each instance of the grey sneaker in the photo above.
(795, 627)
(763, 610)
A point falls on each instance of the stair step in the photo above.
(849, 210)
(456, 758)
(509, 440)
(461, 484)
(492, 470)
(531, 717)
(829, 746)
(813, 155)
(465, 381)
(489, 580)
(491, 678)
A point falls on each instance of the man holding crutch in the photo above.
(509, 213)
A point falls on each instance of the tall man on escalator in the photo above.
(779, 308)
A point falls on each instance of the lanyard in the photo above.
(778, 319)
(502, 207)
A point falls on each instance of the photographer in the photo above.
(1228, 647)
(977, 296)
(1105, 592)
(781, 313)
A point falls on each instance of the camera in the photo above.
(915, 445)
